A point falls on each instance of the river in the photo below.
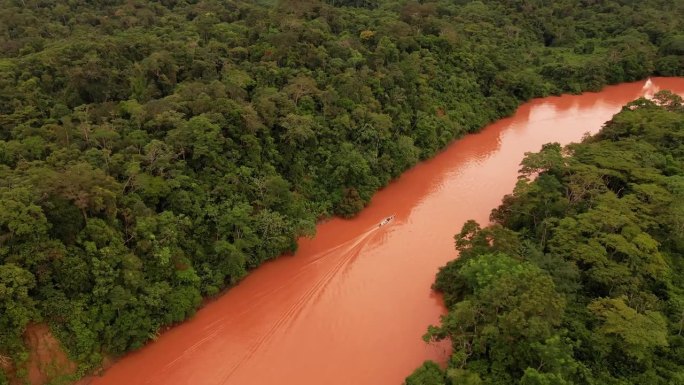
(351, 306)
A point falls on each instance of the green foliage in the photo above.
(637, 334)
(154, 152)
(579, 279)
(428, 374)
(463, 377)
(510, 307)
(17, 307)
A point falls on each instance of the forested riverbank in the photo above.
(579, 278)
(151, 153)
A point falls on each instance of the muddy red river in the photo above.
(351, 306)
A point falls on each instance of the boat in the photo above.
(386, 220)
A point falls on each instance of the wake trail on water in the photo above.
(349, 250)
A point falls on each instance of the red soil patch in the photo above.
(6, 366)
(46, 360)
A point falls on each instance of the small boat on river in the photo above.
(386, 221)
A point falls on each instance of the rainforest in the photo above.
(154, 153)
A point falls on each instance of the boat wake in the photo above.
(347, 252)
(342, 255)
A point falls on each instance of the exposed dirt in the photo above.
(6, 366)
(47, 360)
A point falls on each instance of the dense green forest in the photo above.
(580, 279)
(151, 153)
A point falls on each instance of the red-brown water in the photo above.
(351, 306)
